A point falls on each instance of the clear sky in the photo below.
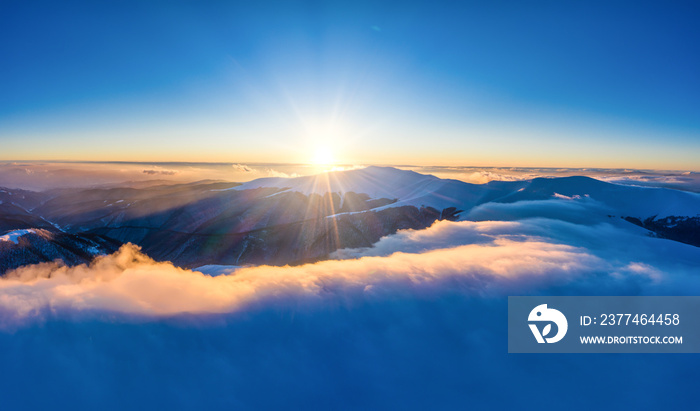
(552, 83)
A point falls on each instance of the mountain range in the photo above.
(280, 221)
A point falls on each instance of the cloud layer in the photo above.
(682, 180)
(130, 282)
(480, 258)
(416, 322)
(48, 175)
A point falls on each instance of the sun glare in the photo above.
(323, 156)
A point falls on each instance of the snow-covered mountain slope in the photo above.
(14, 236)
(640, 202)
(294, 220)
(38, 245)
(378, 182)
(411, 188)
(407, 187)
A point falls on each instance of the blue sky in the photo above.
(503, 83)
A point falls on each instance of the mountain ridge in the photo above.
(291, 220)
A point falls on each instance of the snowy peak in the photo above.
(411, 188)
(35, 245)
(642, 202)
(14, 236)
(377, 182)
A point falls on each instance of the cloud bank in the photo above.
(416, 322)
(682, 180)
(48, 175)
(486, 258)
(132, 283)
(160, 172)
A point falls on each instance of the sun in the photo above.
(323, 156)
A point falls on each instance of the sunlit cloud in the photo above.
(476, 258)
(684, 180)
(160, 172)
(129, 282)
(270, 172)
(243, 168)
(43, 175)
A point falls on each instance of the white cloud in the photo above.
(243, 168)
(159, 171)
(416, 322)
(129, 282)
(275, 173)
(684, 180)
(481, 258)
